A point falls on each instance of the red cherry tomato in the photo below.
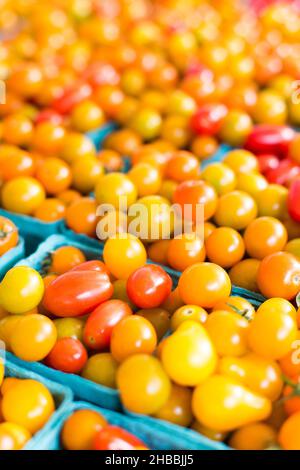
(93, 265)
(294, 200)
(284, 174)
(208, 119)
(98, 328)
(149, 286)
(72, 97)
(77, 293)
(48, 115)
(266, 138)
(68, 355)
(115, 438)
(267, 162)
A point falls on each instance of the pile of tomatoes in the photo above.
(87, 429)
(26, 405)
(190, 354)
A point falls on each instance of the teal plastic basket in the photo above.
(218, 156)
(33, 231)
(62, 396)
(99, 135)
(11, 257)
(151, 431)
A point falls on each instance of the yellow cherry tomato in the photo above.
(33, 337)
(21, 290)
(178, 408)
(220, 176)
(241, 161)
(123, 254)
(236, 210)
(116, 189)
(23, 195)
(256, 436)
(101, 369)
(29, 404)
(20, 434)
(143, 384)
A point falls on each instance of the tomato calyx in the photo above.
(243, 313)
(295, 389)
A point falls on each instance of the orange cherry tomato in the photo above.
(185, 250)
(225, 247)
(65, 258)
(55, 175)
(8, 235)
(80, 429)
(263, 236)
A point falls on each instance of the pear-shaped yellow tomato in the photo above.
(261, 375)
(188, 355)
(272, 333)
(228, 331)
(21, 290)
(223, 403)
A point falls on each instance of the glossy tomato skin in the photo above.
(294, 200)
(93, 265)
(267, 162)
(149, 286)
(68, 355)
(208, 119)
(99, 326)
(77, 293)
(266, 138)
(116, 438)
(284, 174)
(72, 97)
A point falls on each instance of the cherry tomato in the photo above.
(241, 161)
(33, 337)
(244, 274)
(65, 258)
(67, 355)
(143, 384)
(177, 409)
(279, 275)
(195, 193)
(76, 293)
(204, 284)
(236, 210)
(293, 200)
(185, 250)
(182, 166)
(116, 438)
(257, 436)
(208, 119)
(101, 322)
(123, 255)
(235, 328)
(267, 138)
(149, 286)
(264, 236)
(87, 222)
(288, 436)
(21, 290)
(23, 195)
(116, 189)
(225, 247)
(29, 404)
(132, 335)
(102, 369)
(69, 328)
(159, 318)
(286, 172)
(71, 97)
(267, 162)
(220, 176)
(80, 429)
